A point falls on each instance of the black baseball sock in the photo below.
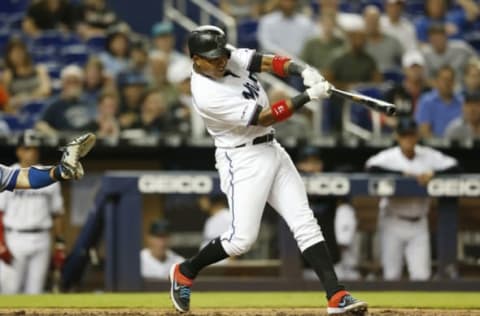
(319, 259)
(211, 253)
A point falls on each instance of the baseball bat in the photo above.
(372, 103)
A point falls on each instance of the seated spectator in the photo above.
(106, 125)
(342, 19)
(437, 108)
(154, 118)
(440, 51)
(180, 109)
(115, 58)
(406, 94)
(241, 9)
(456, 21)
(95, 18)
(319, 51)
(157, 258)
(70, 112)
(397, 26)
(24, 80)
(164, 41)
(285, 30)
(354, 66)
(158, 66)
(45, 15)
(471, 77)
(132, 86)
(385, 50)
(466, 127)
(139, 57)
(95, 79)
(219, 218)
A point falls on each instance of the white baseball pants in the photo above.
(28, 270)
(405, 240)
(250, 177)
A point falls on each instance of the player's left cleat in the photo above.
(179, 289)
(77, 148)
(342, 303)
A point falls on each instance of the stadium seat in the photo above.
(14, 123)
(13, 6)
(415, 7)
(44, 54)
(473, 38)
(54, 68)
(96, 44)
(247, 34)
(4, 37)
(48, 39)
(394, 75)
(15, 21)
(31, 111)
(74, 54)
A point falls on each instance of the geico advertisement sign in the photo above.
(175, 184)
(327, 185)
(454, 187)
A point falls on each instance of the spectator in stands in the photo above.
(115, 58)
(45, 15)
(219, 218)
(466, 127)
(70, 112)
(95, 79)
(437, 108)
(106, 125)
(241, 10)
(154, 118)
(385, 50)
(95, 18)
(157, 258)
(139, 56)
(355, 66)
(456, 21)
(180, 109)
(342, 19)
(441, 51)
(397, 26)
(4, 96)
(132, 86)
(163, 38)
(158, 65)
(285, 30)
(471, 77)
(321, 50)
(24, 80)
(406, 94)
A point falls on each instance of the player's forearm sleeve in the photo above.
(13, 181)
(39, 178)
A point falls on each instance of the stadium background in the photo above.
(165, 148)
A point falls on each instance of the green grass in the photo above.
(451, 300)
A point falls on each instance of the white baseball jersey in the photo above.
(31, 209)
(216, 225)
(151, 267)
(426, 159)
(6, 174)
(228, 105)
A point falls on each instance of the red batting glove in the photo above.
(59, 255)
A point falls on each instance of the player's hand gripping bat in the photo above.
(372, 103)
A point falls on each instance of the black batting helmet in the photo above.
(207, 41)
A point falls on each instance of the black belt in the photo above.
(28, 231)
(410, 219)
(259, 140)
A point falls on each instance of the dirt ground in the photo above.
(227, 312)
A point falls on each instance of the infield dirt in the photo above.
(227, 312)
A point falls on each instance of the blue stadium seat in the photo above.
(4, 37)
(31, 112)
(13, 6)
(44, 54)
(54, 68)
(74, 54)
(48, 39)
(247, 34)
(15, 21)
(394, 75)
(14, 123)
(473, 38)
(96, 44)
(415, 7)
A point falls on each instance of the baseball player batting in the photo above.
(254, 168)
(35, 178)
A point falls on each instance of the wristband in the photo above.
(281, 111)
(278, 65)
(299, 100)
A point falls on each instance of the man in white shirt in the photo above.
(219, 218)
(285, 30)
(397, 26)
(403, 221)
(157, 258)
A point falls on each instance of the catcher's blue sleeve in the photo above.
(7, 178)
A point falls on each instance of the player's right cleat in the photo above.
(180, 289)
(77, 148)
(342, 303)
